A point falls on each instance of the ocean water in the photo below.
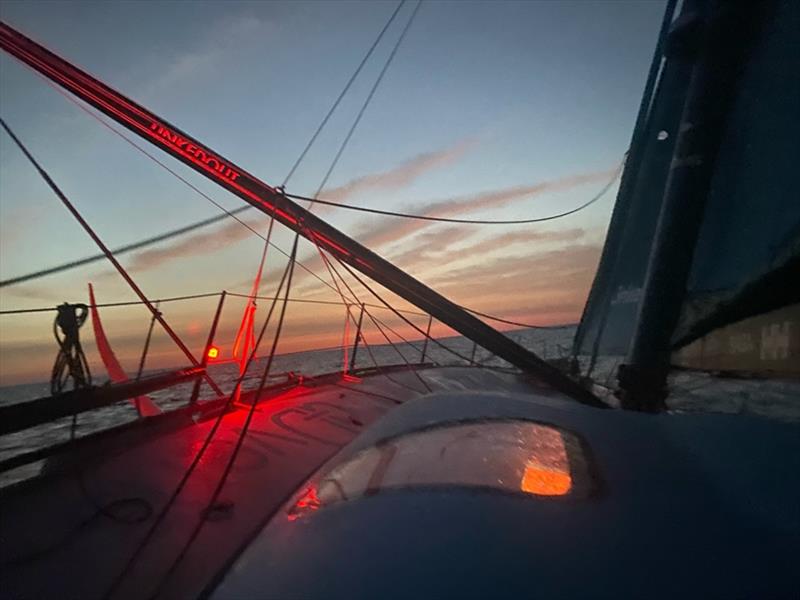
(548, 343)
(690, 392)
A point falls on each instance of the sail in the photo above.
(746, 259)
(144, 404)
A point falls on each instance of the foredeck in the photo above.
(71, 532)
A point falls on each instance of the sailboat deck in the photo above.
(59, 539)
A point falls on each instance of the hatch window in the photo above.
(512, 456)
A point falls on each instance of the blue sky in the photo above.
(482, 97)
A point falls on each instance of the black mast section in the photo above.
(272, 202)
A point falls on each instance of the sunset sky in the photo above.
(494, 110)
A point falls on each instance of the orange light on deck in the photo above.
(213, 353)
(545, 482)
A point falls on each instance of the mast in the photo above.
(273, 203)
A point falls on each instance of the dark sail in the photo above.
(746, 254)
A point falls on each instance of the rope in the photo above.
(20, 311)
(342, 94)
(70, 361)
(195, 460)
(245, 427)
(396, 349)
(212, 220)
(526, 325)
(334, 273)
(395, 311)
(419, 217)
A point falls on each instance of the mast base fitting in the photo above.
(644, 390)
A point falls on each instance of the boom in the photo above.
(267, 199)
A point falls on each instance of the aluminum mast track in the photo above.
(272, 202)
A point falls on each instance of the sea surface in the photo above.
(548, 343)
(690, 392)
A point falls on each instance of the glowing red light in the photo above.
(213, 352)
(307, 503)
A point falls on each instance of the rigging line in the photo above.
(382, 371)
(366, 304)
(331, 302)
(242, 435)
(395, 311)
(158, 238)
(119, 579)
(342, 94)
(19, 311)
(110, 256)
(402, 356)
(526, 325)
(419, 217)
(210, 221)
(332, 270)
(356, 300)
(121, 250)
(391, 308)
(364, 106)
(354, 297)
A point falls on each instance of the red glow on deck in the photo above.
(307, 503)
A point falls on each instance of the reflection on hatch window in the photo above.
(510, 456)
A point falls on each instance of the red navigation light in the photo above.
(213, 352)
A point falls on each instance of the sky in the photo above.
(490, 110)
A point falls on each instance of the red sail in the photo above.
(145, 405)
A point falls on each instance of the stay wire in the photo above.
(197, 457)
(367, 101)
(242, 435)
(333, 270)
(342, 94)
(333, 273)
(402, 356)
(396, 312)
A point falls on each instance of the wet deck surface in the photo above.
(58, 543)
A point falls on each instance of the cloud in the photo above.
(226, 36)
(433, 245)
(403, 175)
(544, 287)
(205, 242)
